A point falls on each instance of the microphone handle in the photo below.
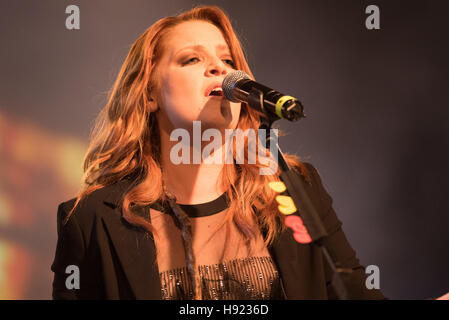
(277, 104)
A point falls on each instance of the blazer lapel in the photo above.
(287, 258)
(135, 248)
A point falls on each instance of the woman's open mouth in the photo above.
(217, 93)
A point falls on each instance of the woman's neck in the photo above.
(191, 183)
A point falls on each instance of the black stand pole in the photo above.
(305, 209)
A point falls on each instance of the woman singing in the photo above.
(145, 227)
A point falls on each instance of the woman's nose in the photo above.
(216, 68)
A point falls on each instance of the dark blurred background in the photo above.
(376, 127)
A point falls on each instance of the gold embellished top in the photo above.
(253, 278)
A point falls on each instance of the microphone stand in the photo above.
(296, 190)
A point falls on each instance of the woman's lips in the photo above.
(213, 87)
(217, 97)
(216, 94)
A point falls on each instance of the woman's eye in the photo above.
(190, 60)
(230, 62)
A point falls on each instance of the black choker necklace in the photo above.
(207, 208)
(200, 209)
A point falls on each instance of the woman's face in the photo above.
(195, 57)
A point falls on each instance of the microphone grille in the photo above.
(230, 81)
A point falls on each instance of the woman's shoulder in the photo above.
(307, 170)
(315, 187)
(99, 201)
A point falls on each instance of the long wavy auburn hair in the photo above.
(125, 142)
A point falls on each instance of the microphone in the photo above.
(237, 87)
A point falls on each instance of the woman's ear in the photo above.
(152, 98)
(152, 104)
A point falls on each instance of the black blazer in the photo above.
(117, 260)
